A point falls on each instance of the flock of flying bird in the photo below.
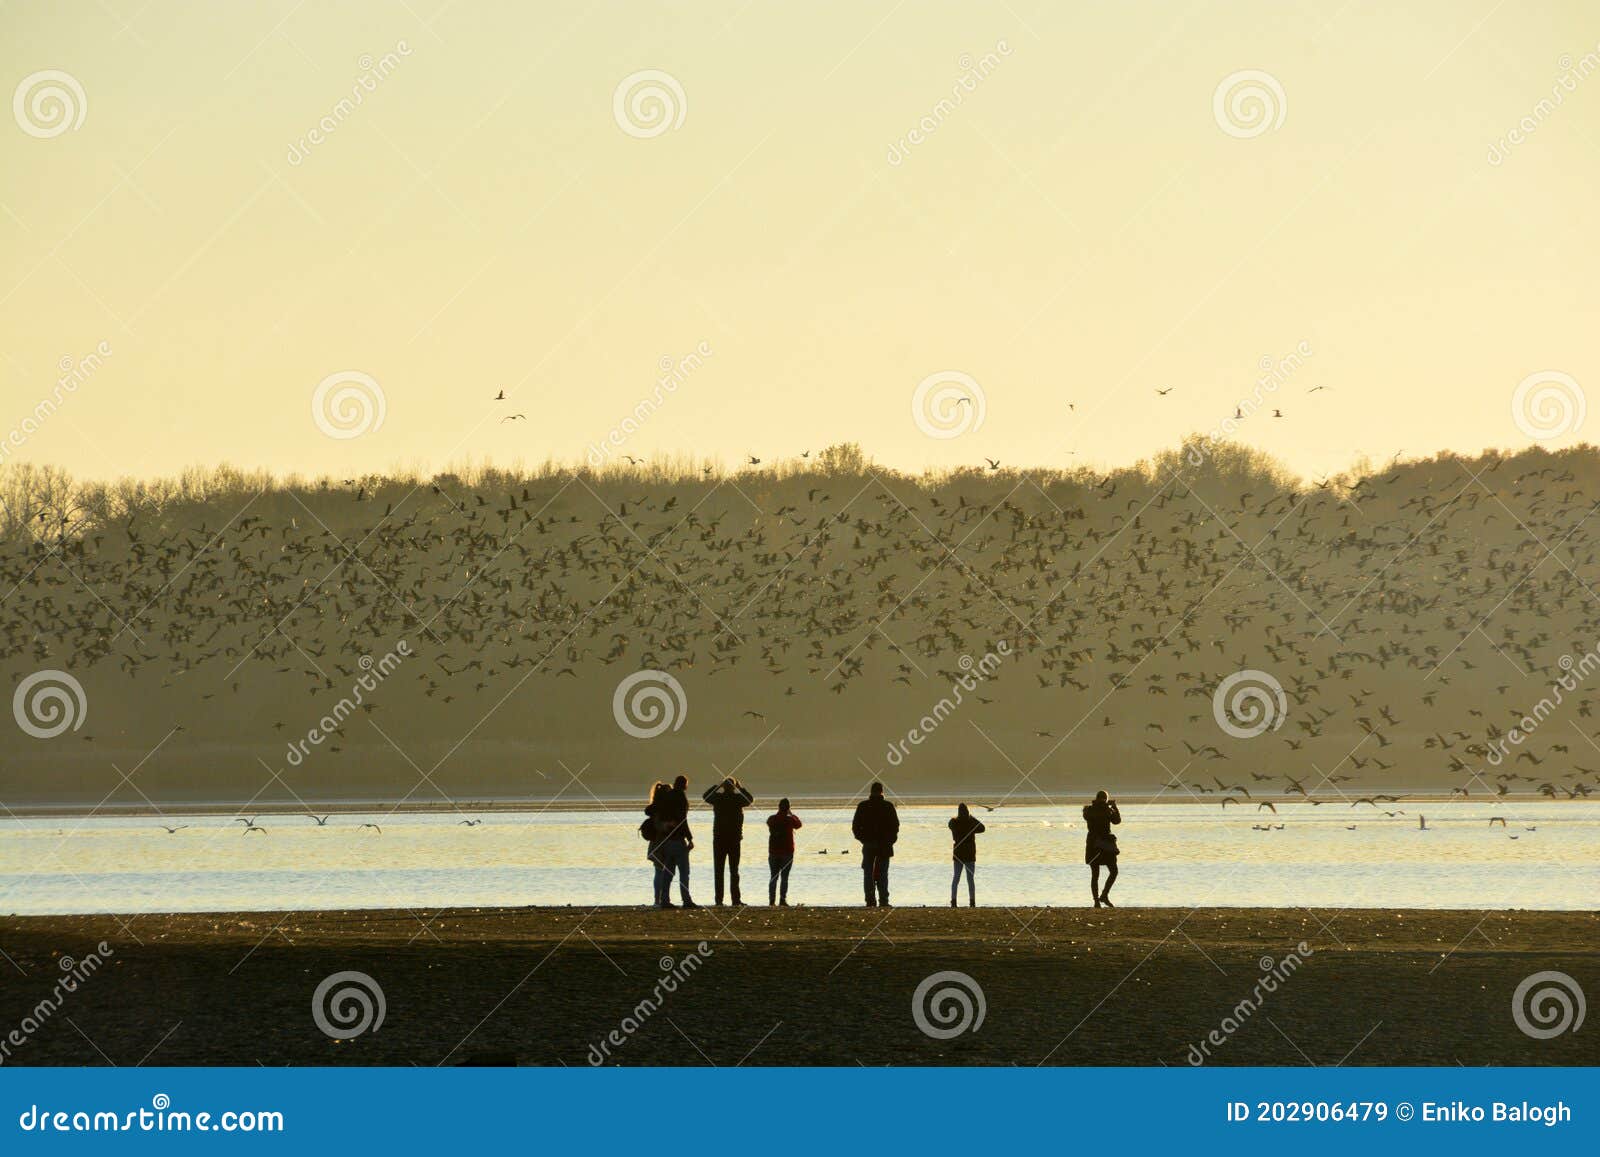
(1413, 617)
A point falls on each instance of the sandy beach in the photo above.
(553, 986)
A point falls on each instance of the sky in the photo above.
(1054, 211)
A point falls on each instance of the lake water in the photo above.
(1547, 856)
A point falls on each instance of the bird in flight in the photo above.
(500, 397)
(1164, 393)
(514, 417)
(374, 827)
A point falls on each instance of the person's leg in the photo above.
(783, 880)
(683, 875)
(883, 881)
(773, 864)
(955, 882)
(719, 857)
(1111, 878)
(733, 872)
(1094, 883)
(972, 886)
(662, 877)
(867, 868)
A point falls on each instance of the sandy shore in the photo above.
(797, 986)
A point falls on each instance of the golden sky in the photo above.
(1088, 223)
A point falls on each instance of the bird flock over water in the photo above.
(1416, 616)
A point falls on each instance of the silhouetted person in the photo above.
(877, 826)
(781, 827)
(1100, 846)
(964, 830)
(654, 830)
(670, 810)
(728, 800)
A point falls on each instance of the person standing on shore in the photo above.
(1100, 846)
(670, 810)
(877, 826)
(654, 830)
(728, 800)
(964, 830)
(781, 827)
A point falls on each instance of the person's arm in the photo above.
(1116, 814)
(855, 824)
(746, 795)
(794, 822)
(980, 829)
(710, 791)
(894, 823)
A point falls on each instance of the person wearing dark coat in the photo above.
(728, 800)
(964, 830)
(670, 811)
(877, 826)
(1100, 846)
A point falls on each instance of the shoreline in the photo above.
(798, 986)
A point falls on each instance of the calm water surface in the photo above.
(1546, 856)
